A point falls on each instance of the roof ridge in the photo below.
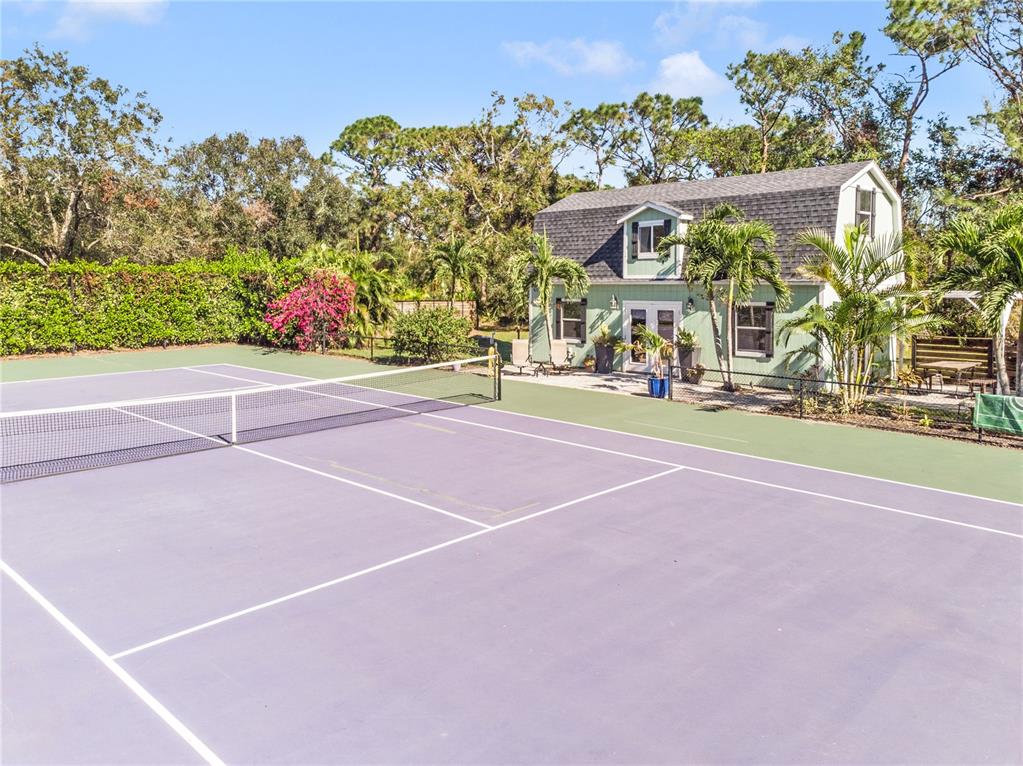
(753, 184)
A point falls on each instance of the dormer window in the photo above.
(648, 234)
(643, 230)
(866, 204)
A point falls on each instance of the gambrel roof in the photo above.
(587, 226)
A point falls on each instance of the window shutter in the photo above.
(557, 318)
(873, 209)
(769, 320)
(635, 238)
(582, 320)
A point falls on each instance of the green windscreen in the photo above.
(999, 413)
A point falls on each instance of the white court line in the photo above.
(232, 377)
(343, 480)
(383, 492)
(676, 466)
(152, 400)
(736, 477)
(687, 431)
(91, 375)
(383, 565)
(713, 449)
(410, 411)
(122, 675)
(864, 503)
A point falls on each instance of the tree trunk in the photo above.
(550, 333)
(764, 147)
(730, 340)
(1002, 371)
(1019, 355)
(716, 329)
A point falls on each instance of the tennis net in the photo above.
(43, 442)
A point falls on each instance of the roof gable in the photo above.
(659, 207)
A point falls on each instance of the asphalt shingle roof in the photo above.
(584, 226)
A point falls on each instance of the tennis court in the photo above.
(375, 570)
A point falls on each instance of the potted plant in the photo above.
(693, 374)
(659, 351)
(688, 346)
(604, 344)
(589, 363)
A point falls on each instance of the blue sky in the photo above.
(310, 68)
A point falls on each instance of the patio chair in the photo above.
(521, 358)
(930, 377)
(561, 356)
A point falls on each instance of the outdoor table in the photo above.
(953, 366)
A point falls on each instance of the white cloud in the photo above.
(748, 34)
(716, 22)
(80, 17)
(692, 20)
(685, 74)
(741, 31)
(574, 57)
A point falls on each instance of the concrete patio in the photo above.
(710, 393)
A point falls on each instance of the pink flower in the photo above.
(320, 307)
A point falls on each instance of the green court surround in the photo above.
(958, 466)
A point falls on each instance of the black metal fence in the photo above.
(381, 349)
(879, 405)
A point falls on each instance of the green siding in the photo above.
(649, 268)
(698, 320)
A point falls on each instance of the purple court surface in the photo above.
(475, 586)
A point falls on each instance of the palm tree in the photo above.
(850, 332)
(874, 304)
(538, 268)
(860, 264)
(989, 260)
(457, 259)
(374, 284)
(723, 247)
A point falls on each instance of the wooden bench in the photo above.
(982, 384)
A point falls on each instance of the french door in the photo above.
(662, 317)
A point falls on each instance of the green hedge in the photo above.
(124, 305)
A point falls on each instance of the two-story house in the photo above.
(615, 234)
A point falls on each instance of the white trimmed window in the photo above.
(570, 320)
(646, 235)
(754, 329)
(866, 205)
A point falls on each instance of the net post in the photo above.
(234, 418)
(497, 375)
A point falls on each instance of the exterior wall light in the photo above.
(690, 305)
(613, 302)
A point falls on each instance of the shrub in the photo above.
(314, 313)
(433, 335)
(84, 305)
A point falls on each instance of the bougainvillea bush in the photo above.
(315, 312)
